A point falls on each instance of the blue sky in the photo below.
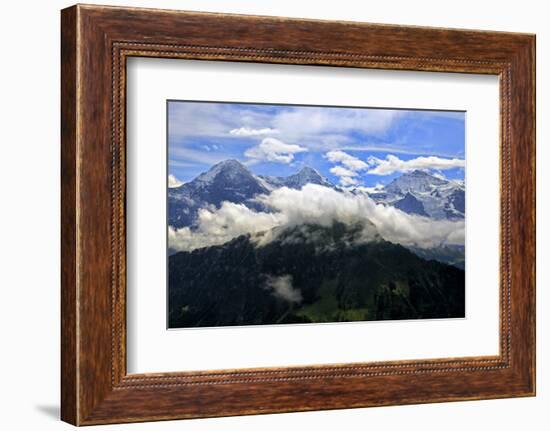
(350, 146)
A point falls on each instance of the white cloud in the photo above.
(217, 226)
(312, 122)
(347, 160)
(322, 205)
(282, 288)
(197, 119)
(315, 204)
(190, 155)
(392, 164)
(274, 150)
(351, 165)
(393, 147)
(345, 176)
(188, 119)
(377, 188)
(248, 131)
(325, 126)
(348, 181)
(173, 181)
(340, 171)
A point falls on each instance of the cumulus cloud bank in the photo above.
(392, 164)
(314, 204)
(274, 150)
(217, 226)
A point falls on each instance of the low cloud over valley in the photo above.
(314, 204)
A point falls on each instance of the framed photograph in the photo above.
(264, 214)
(333, 229)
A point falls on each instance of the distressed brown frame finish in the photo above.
(96, 41)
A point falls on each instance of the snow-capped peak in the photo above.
(306, 175)
(439, 198)
(230, 168)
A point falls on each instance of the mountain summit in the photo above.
(225, 181)
(230, 181)
(422, 193)
(416, 182)
(306, 175)
(229, 170)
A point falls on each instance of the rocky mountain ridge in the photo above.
(417, 192)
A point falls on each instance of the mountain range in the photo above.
(417, 192)
(233, 182)
(312, 272)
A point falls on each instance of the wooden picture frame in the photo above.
(95, 43)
